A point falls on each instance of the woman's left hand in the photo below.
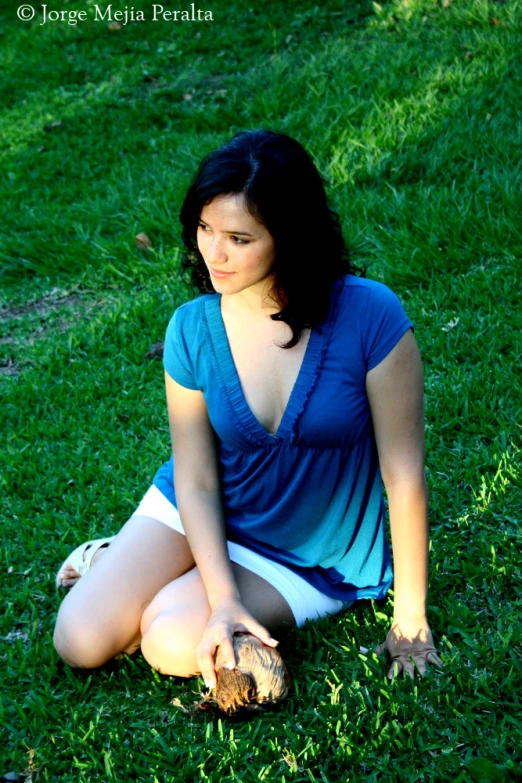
(410, 646)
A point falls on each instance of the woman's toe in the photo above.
(70, 581)
(68, 576)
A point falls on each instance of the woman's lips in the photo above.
(220, 274)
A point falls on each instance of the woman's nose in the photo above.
(216, 252)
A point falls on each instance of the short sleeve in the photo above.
(386, 324)
(176, 358)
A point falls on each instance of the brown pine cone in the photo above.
(260, 678)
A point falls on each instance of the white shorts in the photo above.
(305, 600)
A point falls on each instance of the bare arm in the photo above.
(395, 393)
(199, 499)
(202, 514)
(198, 492)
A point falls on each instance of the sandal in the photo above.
(82, 557)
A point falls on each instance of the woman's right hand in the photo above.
(227, 617)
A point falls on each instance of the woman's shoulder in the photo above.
(367, 296)
(189, 313)
(185, 323)
(371, 303)
(194, 305)
(352, 281)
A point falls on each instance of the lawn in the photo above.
(411, 110)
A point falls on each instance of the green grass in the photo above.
(420, 142)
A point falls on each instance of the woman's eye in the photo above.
(237, 240)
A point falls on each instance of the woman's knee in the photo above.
(169, 644)
(80, 641)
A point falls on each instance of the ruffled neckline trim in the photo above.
(226, 373)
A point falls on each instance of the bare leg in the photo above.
(173, 623)
(101, 615)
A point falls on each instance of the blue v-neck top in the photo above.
(309, 497)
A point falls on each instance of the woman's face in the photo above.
(231, 240)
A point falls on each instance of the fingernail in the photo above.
(230, 665)
(210, 683)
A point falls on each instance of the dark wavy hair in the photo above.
(284, 191)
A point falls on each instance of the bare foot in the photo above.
(70, 576)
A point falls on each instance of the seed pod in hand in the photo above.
(260, 678)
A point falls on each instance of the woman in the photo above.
(292, 386)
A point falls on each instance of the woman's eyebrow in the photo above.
(243, 233)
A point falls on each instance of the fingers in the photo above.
(412, 663)
(408, 668)
(224, 622)
(258, 630)
(395, 669)
(227, 650)
(432, 657)
(404, 666)
(420, 663)
(205, 655)
(205, 660)
(408, 655)
(427, 657)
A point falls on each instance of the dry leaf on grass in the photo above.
(451, 325)
(142, 242)
(155, 350)
(52, 125)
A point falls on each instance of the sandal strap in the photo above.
(91, 547)
(81, 557)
